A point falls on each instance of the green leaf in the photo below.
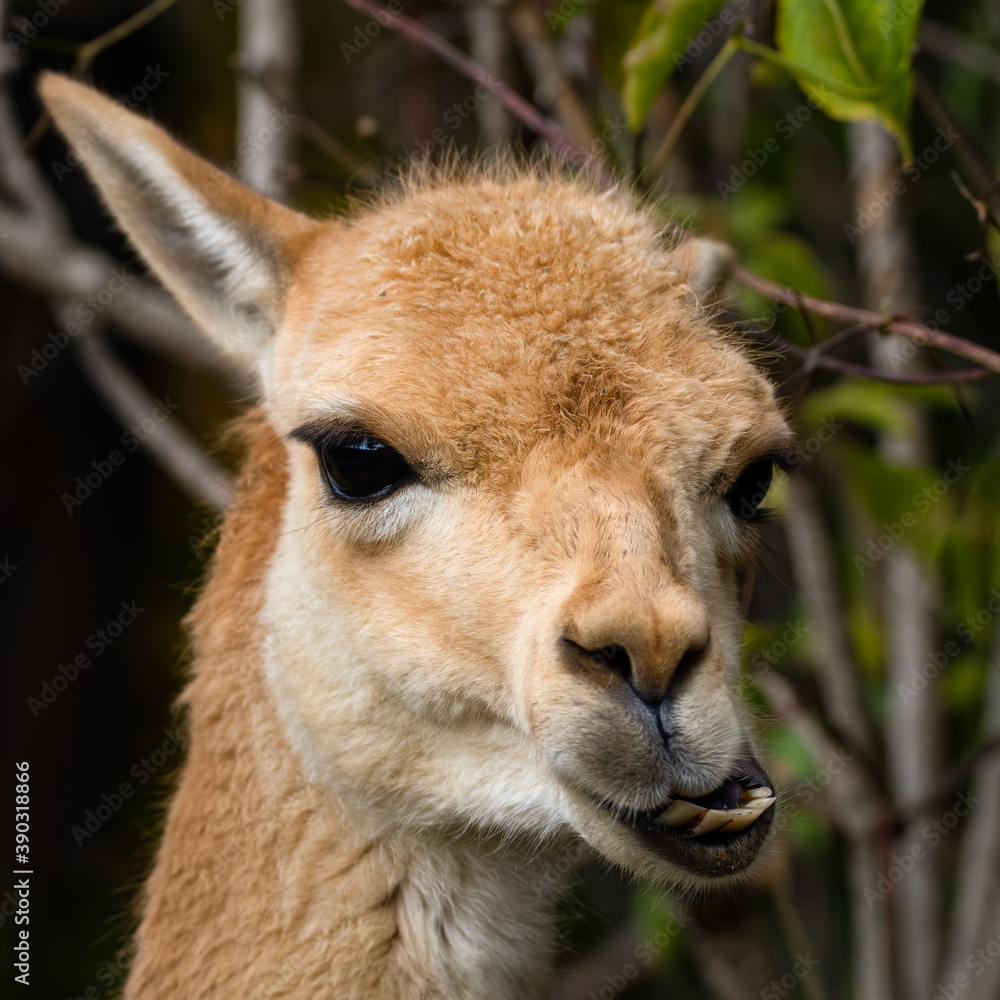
(852, 57)
(879, 406)
(665, 33)
(615, 25)
(913, 502)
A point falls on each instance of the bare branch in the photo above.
(321, 137)
(89, 51)
(972, 160)
(949, 44)
(815, 357)
(489, 44)
(687, 109)
(62, 268)
(511, 100)
(589, 972)
(19, 175)
(857, 809)
(852, 314)
(543, 60)
(978, 877)
(913, 726)
(180, 457)
(816, 578)
(86, 52)
(267, 50)
(734, 953)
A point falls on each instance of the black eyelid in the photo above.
(344, 438)
(319, 433)
(787, 461)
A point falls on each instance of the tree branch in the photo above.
(687, 109)
(324, 140)
(179, 456)
(543, 59)
(511, 100)
(872, 320)
(550, 131)
(978, 878)
(857, 809)
(267, 51)
(61, 268)
(489, 43)
(812, 564)
(86, 52)
(949, 44)
(913, 727)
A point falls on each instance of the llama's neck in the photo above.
(264, 886)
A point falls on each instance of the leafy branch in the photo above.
(529, 116)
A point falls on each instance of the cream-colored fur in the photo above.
(396, 727)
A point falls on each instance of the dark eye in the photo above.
(360, 467)
(748, 492)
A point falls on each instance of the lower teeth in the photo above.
(698, 820)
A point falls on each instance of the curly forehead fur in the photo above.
(539, 304)
(410, 704)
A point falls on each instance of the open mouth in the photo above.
(716, 834)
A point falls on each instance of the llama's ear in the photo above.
(225, 252)
(705, 266)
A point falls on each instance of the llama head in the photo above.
(524, 471)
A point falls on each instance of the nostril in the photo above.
(612, 657)
(691, 658)
(615, 658)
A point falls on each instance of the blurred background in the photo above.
(849, 158)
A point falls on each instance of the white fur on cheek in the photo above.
(383, 744)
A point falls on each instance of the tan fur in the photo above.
(391, 741)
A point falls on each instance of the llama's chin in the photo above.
(687, 841)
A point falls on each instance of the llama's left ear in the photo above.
(226, 252)
(705, 266)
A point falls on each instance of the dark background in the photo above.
(137, 538)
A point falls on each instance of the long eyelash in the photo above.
(318, 434)
(763, 517)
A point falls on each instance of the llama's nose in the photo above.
(653, 643)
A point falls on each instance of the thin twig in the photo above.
(970, 157)
(949, 44)
(814, 358)
(984, 213)
(687, 109)
(177, 453)
(543, 59)
(86, 52)
(89, 51)
(852, 314)
(268, 49)
(793, 931)
(62, 268)
(511, 100)
(321, 137)
(816, 577)
(21, 176)
(951, 781)
(905, 378)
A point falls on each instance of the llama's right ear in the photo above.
(706, 267)
(225, 252)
